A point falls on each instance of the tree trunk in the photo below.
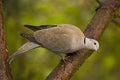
(95, 28)
(4, 66)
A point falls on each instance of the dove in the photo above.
(58, 38)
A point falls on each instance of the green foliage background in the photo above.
(38, 63)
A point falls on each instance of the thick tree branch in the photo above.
(94, 29)
(4, 67)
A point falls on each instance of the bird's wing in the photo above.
(30, 37)
(35, 28)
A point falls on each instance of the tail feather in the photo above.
(24, 48)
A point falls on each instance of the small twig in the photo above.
(98, 1)
(117, 16)
(116, 22)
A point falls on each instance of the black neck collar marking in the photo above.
(84, 40)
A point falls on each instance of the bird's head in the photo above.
(92, 44)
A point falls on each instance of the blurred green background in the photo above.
(38, 63)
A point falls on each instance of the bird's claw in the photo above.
(66, 59)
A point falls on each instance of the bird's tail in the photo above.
(26, 47)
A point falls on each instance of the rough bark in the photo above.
(95, 28)
(4, 67)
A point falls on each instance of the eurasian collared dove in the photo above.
(61, 38)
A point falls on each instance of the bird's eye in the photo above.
(94, 43)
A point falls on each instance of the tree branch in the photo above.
(117, 15)
(116, 22)
(4, 66)
(94, 29)
(98, 1)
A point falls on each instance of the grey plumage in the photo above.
(61, 38)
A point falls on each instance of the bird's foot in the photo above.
(66, 59)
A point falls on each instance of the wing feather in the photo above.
(35, 28)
